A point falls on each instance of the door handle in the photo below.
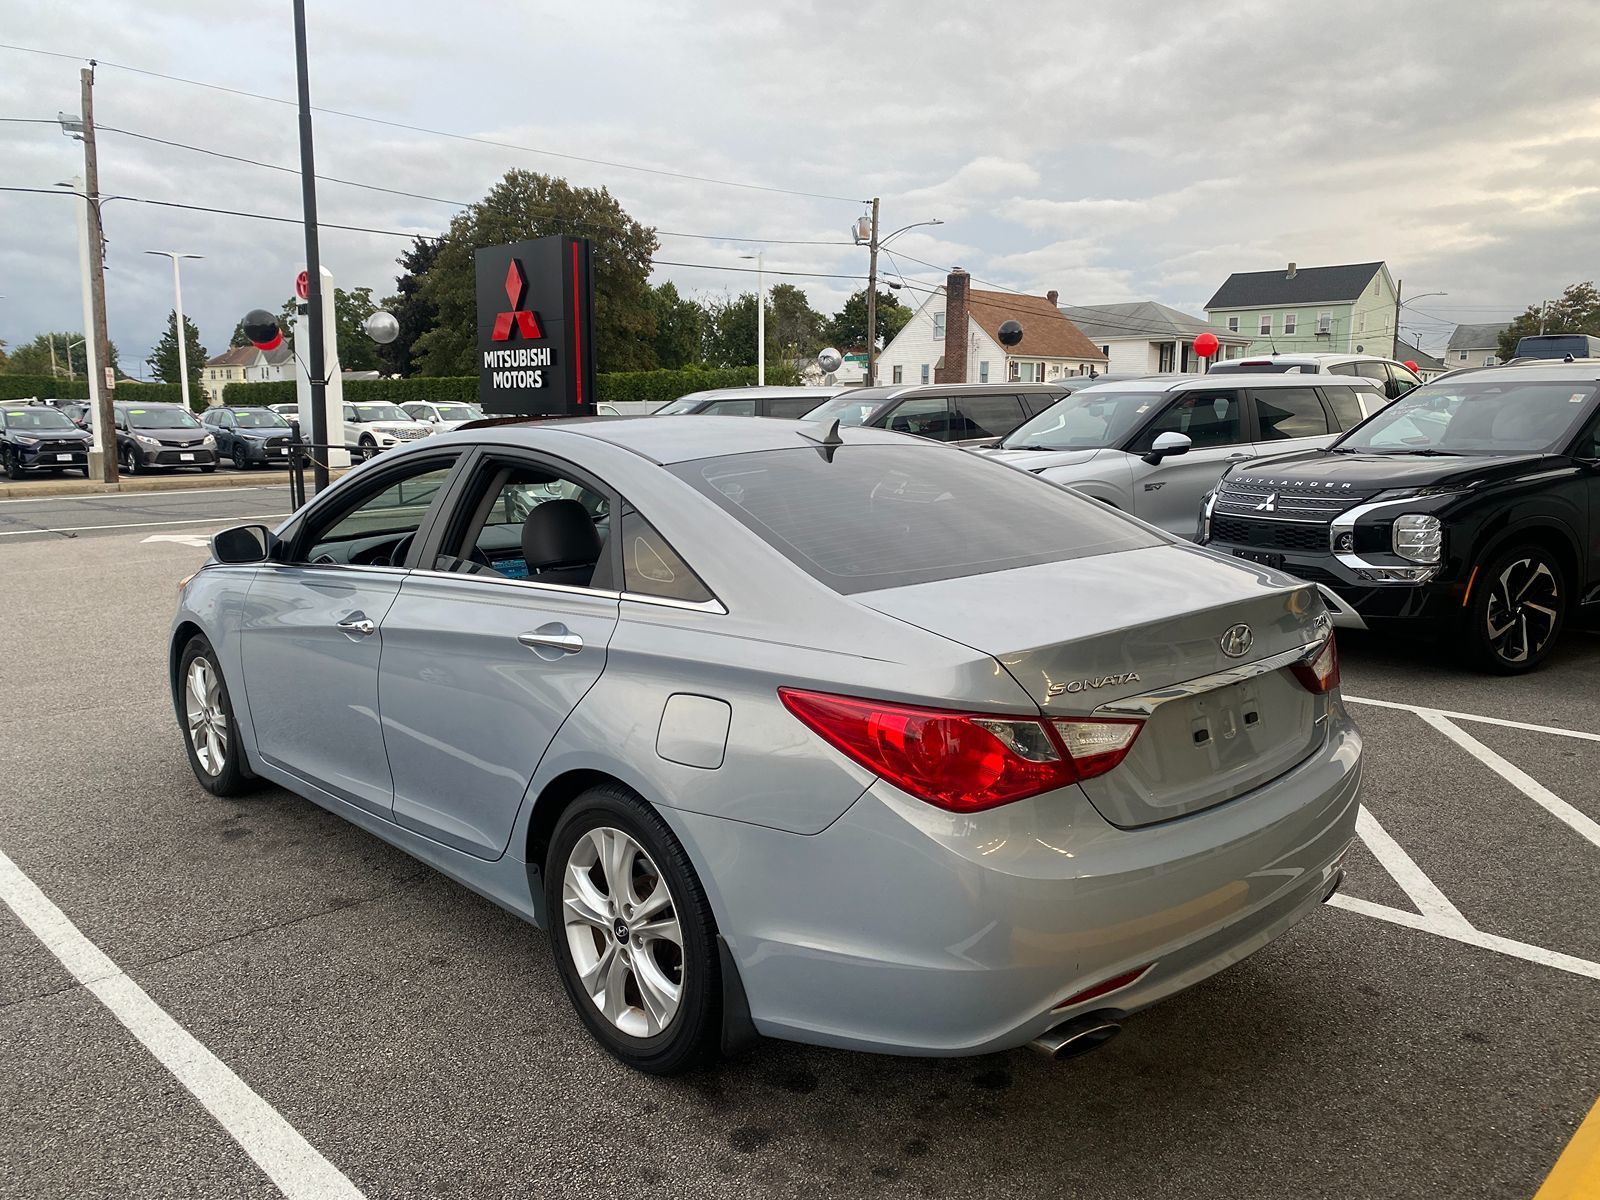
(1240, 457)
(552, 637)
(357, 624)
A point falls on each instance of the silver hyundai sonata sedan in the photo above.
(842, 738)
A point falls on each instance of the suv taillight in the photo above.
(964, 762)
(1319, 671)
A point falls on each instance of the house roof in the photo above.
(1046, 331)
(1404, 350)
(1478, 337)
(1140, 319)
(1308, 285)
(234, 356)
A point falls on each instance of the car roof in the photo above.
(1179, 383)
(764, 393)
(667, 440)
(1584, 370)
(897, 391)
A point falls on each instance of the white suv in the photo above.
(1395, 378)
(1154, 447)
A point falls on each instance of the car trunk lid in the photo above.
(1141, 633)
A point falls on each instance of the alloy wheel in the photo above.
(1523, 610)
(622, 929)
(207, 721)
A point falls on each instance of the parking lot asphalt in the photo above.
(176, 510)
(417, 1039)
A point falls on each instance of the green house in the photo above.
(1342, 310)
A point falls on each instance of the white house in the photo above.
(1146, 338)
(954, 337)
(245, 364)
(1475, 345)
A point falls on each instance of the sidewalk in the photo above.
(29, 489)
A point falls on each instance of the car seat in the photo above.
(560, 543)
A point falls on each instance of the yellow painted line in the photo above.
(1576, 1175)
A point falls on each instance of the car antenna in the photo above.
(828, 443)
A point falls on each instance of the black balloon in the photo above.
(1010, 333)
(261, 327)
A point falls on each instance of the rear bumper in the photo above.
(905, 929)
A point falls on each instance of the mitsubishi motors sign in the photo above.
(535, 322)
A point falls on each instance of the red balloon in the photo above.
(1206, 345)
(1411, 364)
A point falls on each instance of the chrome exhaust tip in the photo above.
(1078, 1036)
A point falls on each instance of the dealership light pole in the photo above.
(177, 307)
(761, 320)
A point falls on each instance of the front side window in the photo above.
(885, 516)
(1285, 413)
(927, 417)
(1500, 417)
(1206, 418)
(376, 529)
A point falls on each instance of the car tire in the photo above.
(13, 468)
(638, 1018)
(130, 461)
(1517, 609)
(368, 449)
(205, 712)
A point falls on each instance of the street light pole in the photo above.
(874, 244)
(177, 308)
(761, 320)
(317, 367)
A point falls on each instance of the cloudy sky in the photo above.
(1112, 152)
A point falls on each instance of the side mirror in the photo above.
(243, 544)
(1168, 444)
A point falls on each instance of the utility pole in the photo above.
(872, 299)
(103, 462)
(55, 371)
(1543, 304)
(317, 364)
(1395, 352)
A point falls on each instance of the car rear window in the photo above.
(879, 517)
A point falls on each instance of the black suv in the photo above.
(39, 437)
(1469, 508)
(251, 437)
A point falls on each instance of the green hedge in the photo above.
(657, 386)
(21, 387)
(157, 393)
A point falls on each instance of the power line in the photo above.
(444, 133)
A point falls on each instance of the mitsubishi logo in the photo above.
(1270, 504)
(1237, 640)
(526, 322)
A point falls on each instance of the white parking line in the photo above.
(1469, 936)
(148, 524)
(291, 1162)
(1421, 890)
(1553, 804)
(126, 495)
(1461, 716)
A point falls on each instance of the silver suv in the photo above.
(1395, 378)
(1154, 447)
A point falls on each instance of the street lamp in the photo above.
(866, 230)
(177, 304)
(761, 320)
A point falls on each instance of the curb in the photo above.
(175, 483)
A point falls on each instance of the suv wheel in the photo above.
(210, 735)
(632, 933)
(13, 467)
(1517, 610)
(130, 460)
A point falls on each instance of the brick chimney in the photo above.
(955, 329)
(1052, 296)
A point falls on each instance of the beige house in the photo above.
(228, 367)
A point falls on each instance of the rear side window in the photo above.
(891, 516)
(986, 416)
(1289, 413)
(1345, 404)
(731, 408)
(790, 408)
(1374, 371)
(651, 567)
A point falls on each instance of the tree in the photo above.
(33, 358)
(163, 360)
(524, 205)
(730, 331)
(238, 339)
(794, 328)
(848, 329)
(1578, 311)
(414, 311)
(680, 328)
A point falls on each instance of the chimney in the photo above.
(1052, 297)
(955, 328)
(1290, 275)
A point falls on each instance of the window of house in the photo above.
(1325, 322)
(1291, 322)
(1489, 361)
(924, 372)
(1463, 356)
(899, 375)
(1233, 324)
(1361, 323)
(938, 324)
(1266, 324)
(1025, 372)
(1106, 350)
(983, 371)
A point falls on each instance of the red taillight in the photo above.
(964, 762)
(1319, 672)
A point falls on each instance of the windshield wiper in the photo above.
(1431, 451)
(1051, 449)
